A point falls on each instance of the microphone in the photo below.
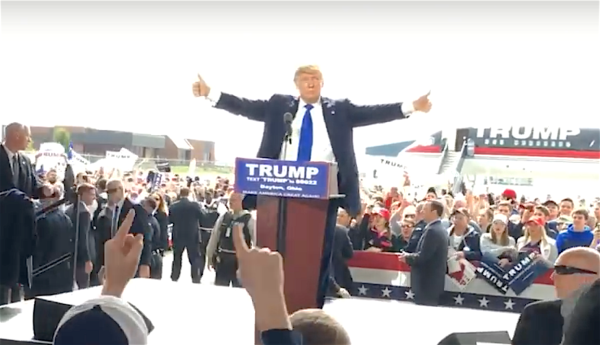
(287, 120)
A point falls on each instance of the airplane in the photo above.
(511, 151)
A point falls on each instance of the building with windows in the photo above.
(96, 142)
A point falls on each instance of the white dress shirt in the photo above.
(321, 148)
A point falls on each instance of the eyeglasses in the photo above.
(562, 270)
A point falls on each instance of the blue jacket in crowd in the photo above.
(570, 238)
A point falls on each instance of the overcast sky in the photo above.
(130, 66)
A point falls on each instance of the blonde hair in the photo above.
(528, 237)
(308, 69)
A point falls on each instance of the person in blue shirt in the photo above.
(577, 234)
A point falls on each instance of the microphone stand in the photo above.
(282, 202)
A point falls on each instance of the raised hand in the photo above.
(121, 257)
(260, 270)
(200, 88)
(423, 104)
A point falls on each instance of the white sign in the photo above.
(51, 156)
(533, 133)
(123, 160)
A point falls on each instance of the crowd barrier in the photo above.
(478, 285)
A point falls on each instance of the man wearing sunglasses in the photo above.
(544, 322)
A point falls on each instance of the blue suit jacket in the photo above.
(341, 117)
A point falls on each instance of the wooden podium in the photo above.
(291, 217)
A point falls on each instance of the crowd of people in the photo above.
(125, 222)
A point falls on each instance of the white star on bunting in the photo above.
(386, 292)
(509, 304)
(362, 290)
(458, 300)
(409, 294)
(483, 302)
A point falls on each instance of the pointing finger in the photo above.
(125, 226)
(241, 247)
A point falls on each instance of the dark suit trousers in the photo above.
(195, 258)
(327, 251)
(10, 294)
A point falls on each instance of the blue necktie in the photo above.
(306, 136)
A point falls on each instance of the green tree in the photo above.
(62, 136)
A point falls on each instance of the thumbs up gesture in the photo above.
(199, 88)
(423, 104)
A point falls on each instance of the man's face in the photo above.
(88, 197)
(235, 201)
(309, 85)
(539, 213)
(483, 218)
(597, 211)
(566, 284)
(51, 177)
(553, 210)
(21, 138)
(343, 218)
(430, 196)
(460, 220)
(579, 221)
(503, 209)
(115, 193)
(566, 207)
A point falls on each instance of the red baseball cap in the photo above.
(537, 220)
(509, 193)
(383, 212)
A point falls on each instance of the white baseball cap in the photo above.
(105, 320)
(500, 218)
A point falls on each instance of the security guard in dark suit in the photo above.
(156, 263)
(186, 216)
(55, 239)
(221, 251)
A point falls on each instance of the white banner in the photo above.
(51, 156)
(123, 160)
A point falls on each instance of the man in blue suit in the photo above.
(322, 130)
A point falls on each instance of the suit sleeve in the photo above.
(523, 328)
(432, 241)
(373, 114)
(141, 226)
(36, 184)
(345, 244)
(252, 109)
(85, 221)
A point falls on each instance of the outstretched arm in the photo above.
(365, 115)
(251, 109)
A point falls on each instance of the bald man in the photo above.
(544, 322)
(16, 172)
(121, 206)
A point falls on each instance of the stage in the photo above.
(200, 312)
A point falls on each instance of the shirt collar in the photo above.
(302, 104)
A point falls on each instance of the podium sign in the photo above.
(290, 179)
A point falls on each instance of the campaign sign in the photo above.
(282, 178)
(516, 277)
